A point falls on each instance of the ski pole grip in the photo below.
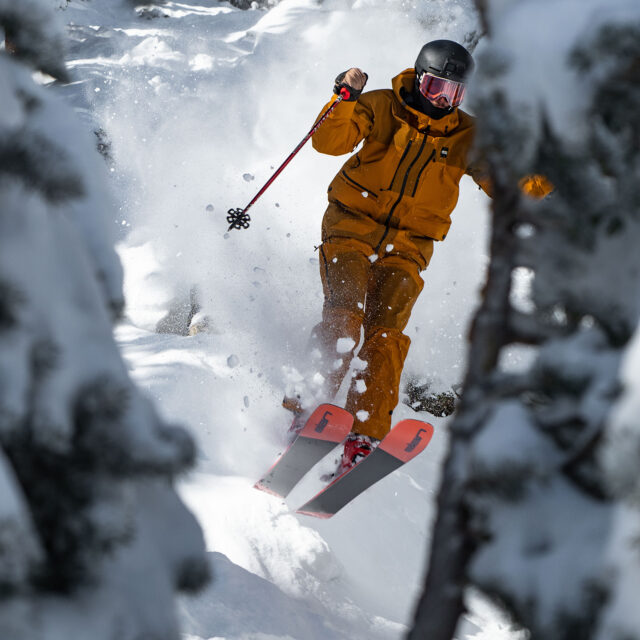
(345, 93)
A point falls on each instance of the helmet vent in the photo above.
(450, 68)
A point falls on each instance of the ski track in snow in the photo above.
(192, 103)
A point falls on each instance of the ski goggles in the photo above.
(432, 88)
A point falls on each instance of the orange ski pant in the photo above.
(376, 295)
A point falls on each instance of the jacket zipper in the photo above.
(404, 155)
(404, 185)
(344, 173)
(424, 166)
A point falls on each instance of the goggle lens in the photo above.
(432, 88)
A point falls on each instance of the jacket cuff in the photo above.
(343, 110)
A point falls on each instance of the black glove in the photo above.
(354, 94)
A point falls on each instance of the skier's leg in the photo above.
(344, 270)
(394, 286)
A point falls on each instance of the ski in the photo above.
(326, 427)
(404, 442)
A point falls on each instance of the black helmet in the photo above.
(445, 59)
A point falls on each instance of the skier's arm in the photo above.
(481, 177)
(535, 186)
(349, 123)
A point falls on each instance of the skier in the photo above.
(388, 204)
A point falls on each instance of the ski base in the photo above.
(404, 442)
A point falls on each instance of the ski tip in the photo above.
(314, 514)
(261, 487)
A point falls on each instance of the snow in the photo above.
(500, 446)
(344, 345)
(199, 108)
(20, 546)
(540, 537)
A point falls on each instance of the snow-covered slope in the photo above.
(197, 106)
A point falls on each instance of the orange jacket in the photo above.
(402, 185)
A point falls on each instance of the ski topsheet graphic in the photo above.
(403, 443)
(326, 427)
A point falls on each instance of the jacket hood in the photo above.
(405, 80)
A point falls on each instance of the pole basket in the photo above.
(238, 219)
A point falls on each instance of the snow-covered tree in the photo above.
(94, 541)
(538, 503)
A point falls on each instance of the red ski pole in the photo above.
(239, 218)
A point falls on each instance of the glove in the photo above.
(353, 81)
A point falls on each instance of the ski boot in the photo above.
(356, 448)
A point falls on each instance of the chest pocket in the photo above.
(448, 164)
(413, 164)
(450, 153)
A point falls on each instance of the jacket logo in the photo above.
(444, 152)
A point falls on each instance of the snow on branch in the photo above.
(531, 491)
(94, 541)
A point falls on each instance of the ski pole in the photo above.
(239, 218)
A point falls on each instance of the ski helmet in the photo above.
(444, 59)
